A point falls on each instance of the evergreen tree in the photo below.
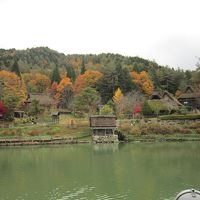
(124, 79)
(55, 75)
(15, 68)
(70, 72)
(87, 101)
(113, 79)
(107, 85)
(83, 68)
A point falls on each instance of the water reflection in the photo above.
(105, 148)
(102, 171)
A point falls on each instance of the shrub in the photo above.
(5, 132)
(125, 128)
(135, 131)
(183, 110)
(156, 128)
(198, 130)
(34, 133)
(56, 129)
(146, 109)
(185, 131)
(121, 136)
(51, 133)
(194, 125)
(106, 110)
(179, 117)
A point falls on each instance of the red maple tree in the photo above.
(3, 109)
(136, 109)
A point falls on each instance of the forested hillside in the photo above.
(87, 81)
(44, 60)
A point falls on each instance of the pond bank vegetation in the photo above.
(76, 130)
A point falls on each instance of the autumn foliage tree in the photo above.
(64, 92)
(143, 81)
(88, 79)
(36, 82)
(13, 91)
(3, 109)
(137, 109)
(117, 96)
(54, 87)
(117, 100)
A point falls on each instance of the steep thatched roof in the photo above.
(189, 89)
(172, 98)
(155, 95)
(190, 93)
(44, 99)
(189, 96)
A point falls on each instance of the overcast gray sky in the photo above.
(167, 31)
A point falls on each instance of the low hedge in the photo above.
(179, 117)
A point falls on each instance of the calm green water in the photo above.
(97, 172)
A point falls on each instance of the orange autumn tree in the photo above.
(54, 87)
(143, 81)
(88, 79)
(64, 92)
(13, 91)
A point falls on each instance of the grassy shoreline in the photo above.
(71, 131)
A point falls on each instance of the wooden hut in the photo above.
(19, 114)
(103, 127)
(55, 117)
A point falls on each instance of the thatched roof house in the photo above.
(44, 99)
(164, 103)
(190, 97)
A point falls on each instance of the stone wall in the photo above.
(105, 138)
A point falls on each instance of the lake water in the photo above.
(99, 172)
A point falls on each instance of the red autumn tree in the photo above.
(137, 109)
(3, 109)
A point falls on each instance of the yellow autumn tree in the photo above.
(36, 82)
(143, 81)
(117, 96)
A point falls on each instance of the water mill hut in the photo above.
(103, 128)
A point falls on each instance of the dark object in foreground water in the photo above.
(190, 194)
